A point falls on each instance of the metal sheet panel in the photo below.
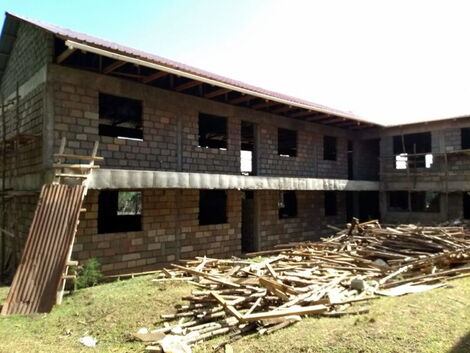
(52, 231)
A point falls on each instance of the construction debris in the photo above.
(238, 297)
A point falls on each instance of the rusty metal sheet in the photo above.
(52, 232)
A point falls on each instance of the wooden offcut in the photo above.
(50, 236)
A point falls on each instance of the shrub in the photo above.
(89, 274)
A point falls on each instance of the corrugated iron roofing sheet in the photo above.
(52, 231)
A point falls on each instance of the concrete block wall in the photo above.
(171, 230)
(446, 136)
(28, 156)
(31, 51)
(168, 115)
(310, 223)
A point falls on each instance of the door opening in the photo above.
(249, 241)
(350, 161)
(248, 148)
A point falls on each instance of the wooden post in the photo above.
(3, 208)
(408, 175)
(14, 179)
(446, 183)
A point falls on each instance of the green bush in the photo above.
(89, 274)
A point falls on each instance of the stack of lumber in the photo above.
(235, 297)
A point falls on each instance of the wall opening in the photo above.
(421, 201)
(248, 222)
(350, 161)
(119, 211)
(330, 203)
(287, 142)
(466, 205)
(465, 138)
(287, 204)
(212, 207)
(398, 201)
(369, 207)
(329, 148)
(413, 150)
(349, 205)
(248, 148)
(212, 131)
(120, 117)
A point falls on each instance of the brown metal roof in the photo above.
(99, 43)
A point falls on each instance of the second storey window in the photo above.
(329, 148)
(413, 150)
(120, 117)
(119, 211)
(287, 142)
(212, 131)
(465, 135)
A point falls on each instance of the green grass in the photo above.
(435, 321)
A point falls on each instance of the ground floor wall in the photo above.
(171, 230)
(19, 213)
(451, 208)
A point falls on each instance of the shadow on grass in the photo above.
(463, 346)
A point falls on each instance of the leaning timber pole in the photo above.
(3, 208)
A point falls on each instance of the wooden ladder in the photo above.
(65, 173)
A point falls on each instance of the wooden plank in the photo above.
(154, 76)
(65, 54)
(217, 93)
(75, 166)
(207, 276)
(304, 310)
(187, 85)
(77, 156)
(113, 66)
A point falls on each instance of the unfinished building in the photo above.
(197, 164)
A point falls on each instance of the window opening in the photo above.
(119, 211)
(120, 117)
(212, 131)
(212, 207)
(329, 148)
(287, 204)
(287, 142)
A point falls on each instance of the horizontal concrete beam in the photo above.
(438, 186)
(136, 179)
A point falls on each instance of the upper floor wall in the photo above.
(31, 49)
(441, 160)
(170, 127)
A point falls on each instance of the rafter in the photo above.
(334, 121)
(303, 113)
(347, 123)
(217, 92)
(154, 76)
(242, 99)
(317, 117)
(187, 85)
(263, 105)
(65, 54)
(115, 65)
(282, 109)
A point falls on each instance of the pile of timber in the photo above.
(236, 297)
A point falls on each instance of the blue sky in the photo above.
(387, 61)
